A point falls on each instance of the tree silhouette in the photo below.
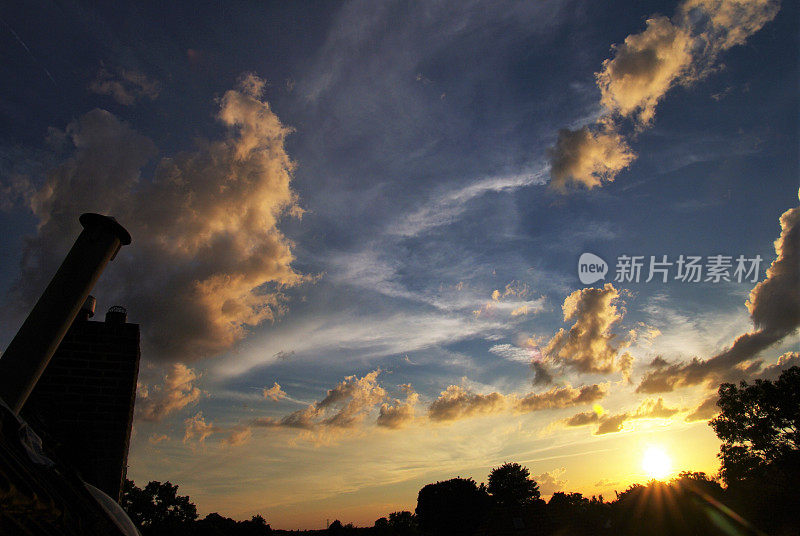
(453, 506)
(158, 509)
(403, 523)
(511, 485)
(759, 425)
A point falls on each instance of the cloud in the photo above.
(541, 375)
(456, 402)
(353, 397)
(786, 360)
(642, 69)
(449, 206)
(238, 436)
(401, 412)
(125, 87)
(589, 345)
(654, 409)
(344, 406)
(207, 260)
(611, 423)
(197, 429)
(774, 306)
(705, 411)
(274, 393)
(551, 482)
(155, 439)
(560, 397)
(348, 404)
(588, 156)
(177, 392)
(511, 301)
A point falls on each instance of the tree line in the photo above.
(754, 493)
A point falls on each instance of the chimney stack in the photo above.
(34, 344)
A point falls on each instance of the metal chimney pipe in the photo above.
(26, 357)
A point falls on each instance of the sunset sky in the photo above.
(356, 231)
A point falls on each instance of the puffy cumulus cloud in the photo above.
(177, 391)
(125, 87)
(706, 410)
(197, 429)
(774, 306)
(344, 406)
(561, 397)
(644, 67)
(588, 157)
(274, 393)
(456, 402)
(609, 423)
(352, 399)
(401, 412)
(640, 72)
(551, 481)
(207, 259)
(349, 403)
(589, 345)
(785, 361)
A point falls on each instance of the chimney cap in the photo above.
(88, 306)
(90, 219)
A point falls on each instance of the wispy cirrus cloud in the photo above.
(125, 86)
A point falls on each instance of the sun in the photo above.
(656, 463)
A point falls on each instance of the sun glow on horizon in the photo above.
(656, 463)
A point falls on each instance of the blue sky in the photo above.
(325, 190)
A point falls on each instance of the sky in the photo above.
(358, 230)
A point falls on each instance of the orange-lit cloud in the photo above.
(274, 393)
(589, 346)
(774, 306)
(456, 402)
(512, 301)
(644, 67)
(561, 397)
(588, 157)
(197, 429)
(640, 72)
(401, 412)
(705, 410)
(611, 423)
(177, 392)
(207, 259)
